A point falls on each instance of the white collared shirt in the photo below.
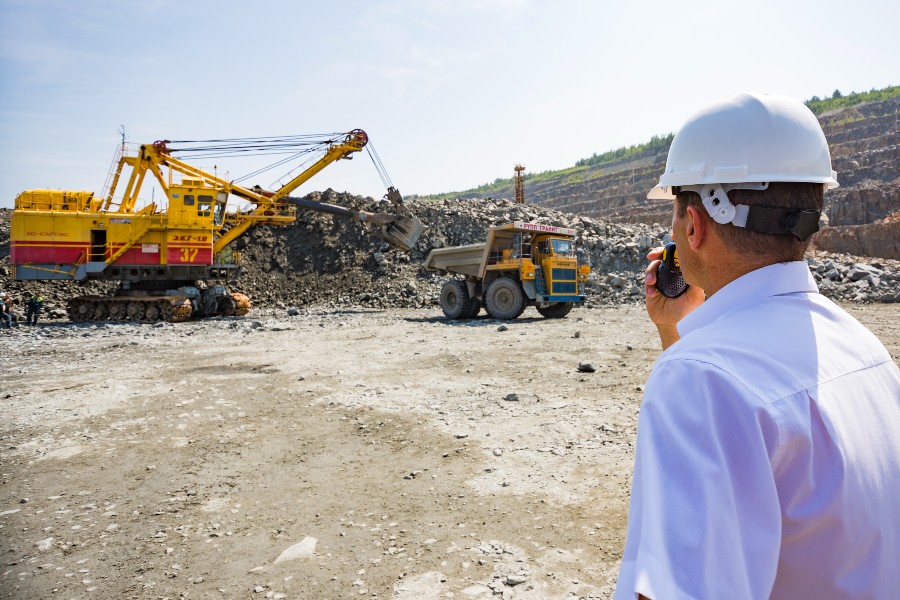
(768, 452)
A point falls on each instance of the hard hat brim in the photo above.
(661, 192)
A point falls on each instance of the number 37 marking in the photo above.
(188, 254)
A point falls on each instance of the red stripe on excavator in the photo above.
(55, 252)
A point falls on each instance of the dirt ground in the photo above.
(335, 454)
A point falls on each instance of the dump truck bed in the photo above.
(460, 260)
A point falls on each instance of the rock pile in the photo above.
(877, 281)
(327, 261)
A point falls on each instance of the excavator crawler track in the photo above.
(147, 309)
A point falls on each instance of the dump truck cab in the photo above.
(556, 270)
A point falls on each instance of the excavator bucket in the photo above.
(403, 233)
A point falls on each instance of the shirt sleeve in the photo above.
(704, 519)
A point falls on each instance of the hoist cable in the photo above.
(376, 160)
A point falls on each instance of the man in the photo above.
(6, 309)
(768, 447)
(33, 306)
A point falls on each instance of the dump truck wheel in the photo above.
(455, 301)
(556, 311)
(475, 309)
(505, 299)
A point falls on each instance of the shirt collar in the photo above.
(772, 280)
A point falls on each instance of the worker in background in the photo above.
(6, 309)
(766, 463)
(33, 305)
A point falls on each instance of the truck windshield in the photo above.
(563, 247)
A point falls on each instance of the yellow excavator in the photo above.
(160, 254)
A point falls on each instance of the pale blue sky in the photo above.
(453, 93)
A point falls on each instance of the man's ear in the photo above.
(697, 227)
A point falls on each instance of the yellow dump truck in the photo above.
(520, 265)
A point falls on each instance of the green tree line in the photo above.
(657, 141)
(839, 100)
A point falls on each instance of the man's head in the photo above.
(757, 245)
(755, 166)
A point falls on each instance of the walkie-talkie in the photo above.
(668, 275)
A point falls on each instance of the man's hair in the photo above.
(775, 247)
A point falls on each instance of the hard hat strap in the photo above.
(801, 223)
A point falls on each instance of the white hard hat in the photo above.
(748, 138)
(747, 141)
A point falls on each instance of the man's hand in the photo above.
(666, 312)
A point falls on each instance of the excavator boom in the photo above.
(269, 208)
